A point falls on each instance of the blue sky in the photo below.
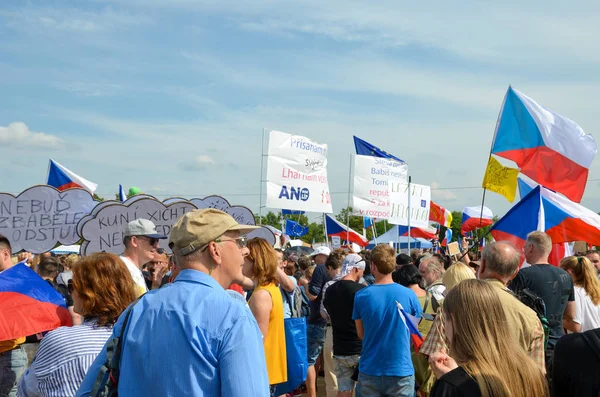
(172, 95)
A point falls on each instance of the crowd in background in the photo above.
(210, 319)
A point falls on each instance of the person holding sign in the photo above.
(140, 239)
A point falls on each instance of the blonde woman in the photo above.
(266, 303)
(587, 293)
(483, 360)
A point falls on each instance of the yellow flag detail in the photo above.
(500, 179)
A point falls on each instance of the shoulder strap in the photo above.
(113, 357)
(288, 298)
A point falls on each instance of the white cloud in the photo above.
(18, 135)
(201, 162)
(89, 89)
(441, 193)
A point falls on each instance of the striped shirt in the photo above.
(62, 360)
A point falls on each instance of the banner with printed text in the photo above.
(372, 175)
(297, 174)
(420, 199)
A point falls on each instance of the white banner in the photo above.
(372, 175)
(297, 174)
(420, 198)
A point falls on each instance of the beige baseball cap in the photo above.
(199, 227)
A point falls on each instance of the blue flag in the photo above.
(367, 222)
(364, 148)
(294, 229)
(292, 212)
(122, 195)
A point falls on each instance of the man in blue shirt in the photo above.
(190, 337)
(385, 366)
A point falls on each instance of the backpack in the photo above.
(301, 306)
(107, 380)
(536, 303)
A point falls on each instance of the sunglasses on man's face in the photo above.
(152, 241)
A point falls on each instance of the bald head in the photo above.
(500, 260)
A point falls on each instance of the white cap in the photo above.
(352, 261)
(142, 227)
(321, 251)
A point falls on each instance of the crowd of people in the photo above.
(211, 319)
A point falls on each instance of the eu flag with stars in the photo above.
(294, 229)
(364, 148)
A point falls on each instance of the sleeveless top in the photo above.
(274, 343)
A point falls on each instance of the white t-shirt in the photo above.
(587, 315)
(136, 274)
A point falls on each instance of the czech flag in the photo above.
(411, 324)
(542, 209)
(471, 221)
(428, 234)
(439, 214)
(29, 304)
(336, 228)
(63, 179)
(549, 148)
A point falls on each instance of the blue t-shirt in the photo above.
(386, 343)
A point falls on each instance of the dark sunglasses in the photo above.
(70, 286)
(151, 240)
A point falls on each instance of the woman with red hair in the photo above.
(101, 288)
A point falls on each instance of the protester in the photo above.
(385, 366)
(550, 283)
(48, 269)
(317, 325)
(191, 337)
(338, 303)
(102, 288)
(156, 269)
(483, 360)
(304, 263)
(577, 365)
(140, 239)
(266, 303)
(594, 257)
(320, 255)
(587, 293)
(67, 274)
(13, 358)
(402, 260)
(409, 277)
(432, 270)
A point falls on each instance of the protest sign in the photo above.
(297, 174)
(372, 176)
(102, 229)
(336, 242)
(41, 216)
(453, 248)
(420, 198)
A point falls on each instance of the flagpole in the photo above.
(349, 198)
(374, 227)
(490, 156)
(262, 160)
(325, 228)
(409, 194)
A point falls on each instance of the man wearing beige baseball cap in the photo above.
(191, 336)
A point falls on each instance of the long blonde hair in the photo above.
(584, 275)
(483, 346)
